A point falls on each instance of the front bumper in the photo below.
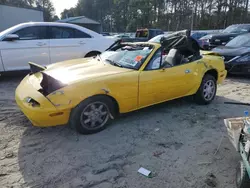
(46, 114)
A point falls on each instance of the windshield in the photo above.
(129, 56)
(240, 41)
(156, 39)
(237, 29)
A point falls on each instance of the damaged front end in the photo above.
(48, 84)
(34, 68)
(41, 100)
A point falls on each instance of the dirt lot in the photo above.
(178, 141)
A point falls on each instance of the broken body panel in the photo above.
(74, 81)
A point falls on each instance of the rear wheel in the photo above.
(207, 91)
(242, 178)
(92, 115)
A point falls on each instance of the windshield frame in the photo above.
(131, 44)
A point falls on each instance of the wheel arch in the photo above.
(212, 72)
(92, 52)
(116, 104)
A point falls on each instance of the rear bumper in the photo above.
(44, 115)
(222, 76)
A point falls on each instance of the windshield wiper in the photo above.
(113, 63)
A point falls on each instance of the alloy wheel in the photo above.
(209, 90)
(95, 115)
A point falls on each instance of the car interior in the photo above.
(177, 49)
(180, 49)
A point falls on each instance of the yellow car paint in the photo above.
(39, 116)
(131, 89)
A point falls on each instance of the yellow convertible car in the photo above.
(88, 93)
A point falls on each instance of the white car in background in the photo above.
(45, 43)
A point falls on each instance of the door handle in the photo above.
(81, 42)
(40, 44)
(187, 71)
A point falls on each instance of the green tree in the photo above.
(127, 15)
(45, 5)
(68, 13)
(48, 9)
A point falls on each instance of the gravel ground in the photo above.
(183, 144)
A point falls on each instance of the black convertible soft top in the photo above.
(182, 41)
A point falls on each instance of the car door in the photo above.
(32, 46)
(157, 85)
(68, 43)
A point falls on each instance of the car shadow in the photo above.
(13, 75)
(60, 157)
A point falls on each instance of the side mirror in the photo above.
(11, 37)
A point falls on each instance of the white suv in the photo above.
(45, 43)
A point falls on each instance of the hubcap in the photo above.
(209, 90)
(95, 115)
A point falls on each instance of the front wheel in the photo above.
(207, 91)
(92, 115)
(242, 178)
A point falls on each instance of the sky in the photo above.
(60, 5)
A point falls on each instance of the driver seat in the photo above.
(174, 57)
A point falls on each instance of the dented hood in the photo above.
(82, 69)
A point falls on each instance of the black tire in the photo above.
(199, 96)
(242, 178)
(92, 54)
(77, 114)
